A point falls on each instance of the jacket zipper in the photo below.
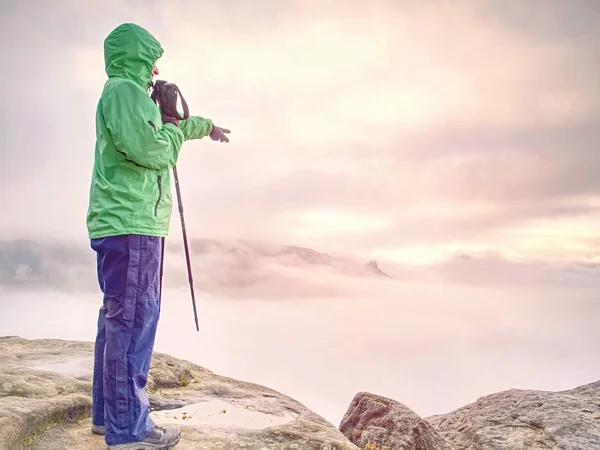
(154, 128)
(159, 196)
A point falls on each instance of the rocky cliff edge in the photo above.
(45, 403)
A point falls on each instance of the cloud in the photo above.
(369, 127)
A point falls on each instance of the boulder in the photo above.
(515, 419)
(377, 423)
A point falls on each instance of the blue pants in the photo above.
(129, 277)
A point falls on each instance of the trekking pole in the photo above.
(165, 95)
(185, 245)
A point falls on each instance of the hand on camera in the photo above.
(168, 119)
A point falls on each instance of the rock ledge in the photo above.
(45, 402)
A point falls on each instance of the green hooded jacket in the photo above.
(130, 190)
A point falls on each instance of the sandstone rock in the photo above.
(526, 419)
(510, 420)
(383, 423)
(45, 388)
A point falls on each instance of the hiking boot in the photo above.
(159, 439)
(99, 429)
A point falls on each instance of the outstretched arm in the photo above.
(196, 127)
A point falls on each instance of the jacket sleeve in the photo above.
(129, 115)
(195, 127)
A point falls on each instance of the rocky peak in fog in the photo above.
(373, 266)
(246, 250)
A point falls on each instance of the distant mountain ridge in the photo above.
(36, 263)
(229, 265)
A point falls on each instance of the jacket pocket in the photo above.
(159, 195)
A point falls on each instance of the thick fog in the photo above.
(434, 339)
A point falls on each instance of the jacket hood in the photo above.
(130, 52)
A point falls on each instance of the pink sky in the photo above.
(401, 129)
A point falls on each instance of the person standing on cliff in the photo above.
(128, 218)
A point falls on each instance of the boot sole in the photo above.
(145, 446)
